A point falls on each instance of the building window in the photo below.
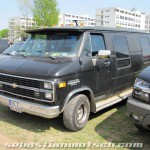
(122, 11)
(121, 17)
(92, 23)
(117, 16)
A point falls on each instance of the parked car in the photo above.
(3, 45)
(74, 71)
(139, 104)
(13, 49)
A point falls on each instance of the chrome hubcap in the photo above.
(81, 113)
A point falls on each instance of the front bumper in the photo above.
(32, 108)
(141, 109)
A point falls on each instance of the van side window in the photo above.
(121, 46)
(145, 44)
(122, 51)
(97, 43)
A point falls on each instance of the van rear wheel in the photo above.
(141, 128)
(76, 113)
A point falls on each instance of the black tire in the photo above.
(76, 113)
(141, 128)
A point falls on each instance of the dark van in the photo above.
(3, 45)
(139, 104)
(74, 71)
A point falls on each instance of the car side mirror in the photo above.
(104, 53)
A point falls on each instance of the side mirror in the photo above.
(104, 53)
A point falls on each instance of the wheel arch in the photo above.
(86, 91)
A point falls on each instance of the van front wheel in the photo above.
(76, 113)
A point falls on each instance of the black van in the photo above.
(139, 104)
(73, 70)
(3, 45)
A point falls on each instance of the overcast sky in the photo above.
(80, 7)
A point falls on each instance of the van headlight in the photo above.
(48, 96)
(48, 85)
(141, 89)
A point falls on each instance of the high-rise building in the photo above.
(120, 18)
(17, 25)
(147, 23)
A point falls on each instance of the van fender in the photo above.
(78, 91)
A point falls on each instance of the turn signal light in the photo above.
(62, 85)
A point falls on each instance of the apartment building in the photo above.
(147, 23)
(17, 25)
(67, 20)
(120, 18)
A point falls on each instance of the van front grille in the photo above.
(20, 81)
(24, 87)
(18, 91)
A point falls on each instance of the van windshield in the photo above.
(53, 44)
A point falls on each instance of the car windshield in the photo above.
(53, 44)
(12, 49)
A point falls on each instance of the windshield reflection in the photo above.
(56, 44)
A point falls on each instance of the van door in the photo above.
(121, 69)
(103, 64)
(94, 69)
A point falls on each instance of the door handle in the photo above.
(107, 63)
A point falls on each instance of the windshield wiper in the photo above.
(20, 54)
(7, 54)
(52, 57)
(18, 51)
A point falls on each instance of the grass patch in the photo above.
(109, 125)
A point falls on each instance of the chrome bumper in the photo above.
(138, 107)
(141, 109)
(32, 108)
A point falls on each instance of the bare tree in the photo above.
(25, 7)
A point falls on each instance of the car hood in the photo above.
(145, 74)
(39, 68)
(2, 56)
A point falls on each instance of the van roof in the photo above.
(83, 29)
